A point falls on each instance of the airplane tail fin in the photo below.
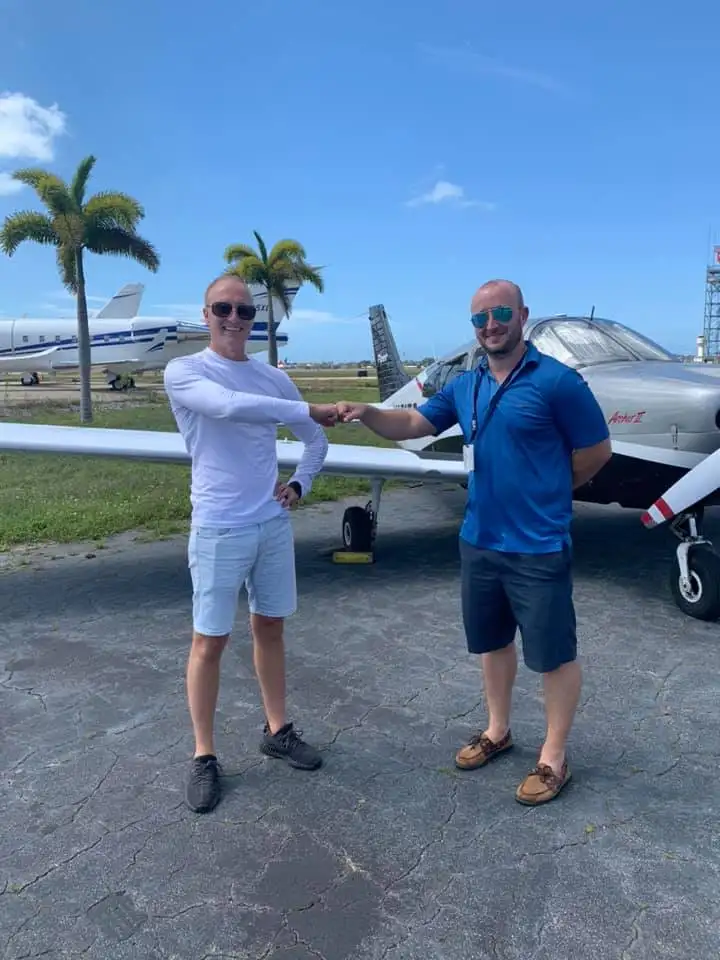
(124, 305)
(260, 298)
(390, 372)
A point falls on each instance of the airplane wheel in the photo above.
(702, 599)
(357, 530)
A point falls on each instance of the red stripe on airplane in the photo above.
(664, 508)
(647, 520)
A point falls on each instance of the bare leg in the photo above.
(562, 694)
(203, 683)
(499, 670)
(269, 656)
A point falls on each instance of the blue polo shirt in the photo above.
(520, 493)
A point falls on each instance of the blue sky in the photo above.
(567, 147)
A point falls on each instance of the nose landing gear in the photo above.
(359, 524)
(695, 573)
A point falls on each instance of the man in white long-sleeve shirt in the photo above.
(227, 407)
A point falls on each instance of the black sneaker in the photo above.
(202, 792)
(287, 745)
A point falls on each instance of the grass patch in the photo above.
(56, 499)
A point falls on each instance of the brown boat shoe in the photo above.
(479, 749)
(542, 784)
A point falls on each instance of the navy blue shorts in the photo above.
(502, 592)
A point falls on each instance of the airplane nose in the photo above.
(664, 404)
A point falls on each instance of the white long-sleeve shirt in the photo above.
(227, 412)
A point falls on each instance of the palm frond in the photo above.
(34, 176)
(124, 243)
(304, 273)
(261, 246)
(251, 270)
(287, 249)
(79, 181)
(114, 209)
(67, 266)
(239, 251)
(26, 225)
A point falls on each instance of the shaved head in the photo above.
(502, 305)
(234, 283)
(502, 289)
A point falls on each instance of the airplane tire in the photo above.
(357, 532)
(703, 600)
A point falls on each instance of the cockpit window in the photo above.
(589, 344)
(580, 343)
(547, 341)
(643, 346)
(442, 372)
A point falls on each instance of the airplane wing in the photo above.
(10, 363)
(342, 459)
(701, 479)
(684, 459)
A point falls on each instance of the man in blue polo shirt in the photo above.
(533, 432)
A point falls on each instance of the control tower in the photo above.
(711, 323)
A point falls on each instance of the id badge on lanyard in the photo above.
(469, 457)
(469, 448)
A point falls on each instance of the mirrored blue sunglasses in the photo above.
(499, 314)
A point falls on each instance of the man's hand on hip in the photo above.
(286, 495)
(325, 414)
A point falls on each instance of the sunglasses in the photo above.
(223, 310)
(499, 314)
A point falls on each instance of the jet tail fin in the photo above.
(260, 299)
(390, 372)
(124, 305)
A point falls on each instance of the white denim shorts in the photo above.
(221, 559)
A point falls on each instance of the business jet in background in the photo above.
(122, 344)
(664, 423)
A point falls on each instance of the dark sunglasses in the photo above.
(223, 310)
(499, 314)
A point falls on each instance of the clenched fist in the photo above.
(350, 411)
(325, 414)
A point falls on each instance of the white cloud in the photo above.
(465, 61)
(304, 318)
(65, 295)
(446, 192)
(299, 316)
(181, 311)
(8, 186)
(28, 132)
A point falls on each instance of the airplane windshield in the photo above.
(643, 346)
(580, 343)
(441, 373)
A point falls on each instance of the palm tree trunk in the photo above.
(272, 341)
(83, 342)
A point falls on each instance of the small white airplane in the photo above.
(678, 469)
(121, 343)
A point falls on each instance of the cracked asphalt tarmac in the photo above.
(388, 852)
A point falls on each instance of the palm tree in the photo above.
(104, 224)
(284, 266)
